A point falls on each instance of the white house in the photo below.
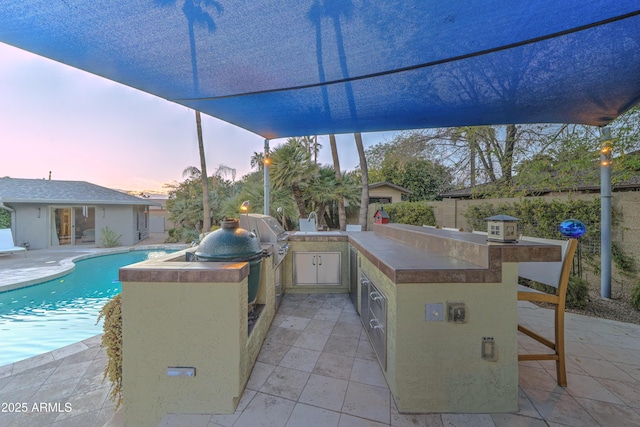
(46, 213)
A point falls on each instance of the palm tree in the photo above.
(364, 171)
(257, 160)
(342, 214)
(322, 191)
(206, 210)
(335, 11)
(196, 13)
(291, 167)
(191, 172)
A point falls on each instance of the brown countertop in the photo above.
(404, 253)
(413, 254)
(173, 268)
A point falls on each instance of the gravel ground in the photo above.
(617, 308)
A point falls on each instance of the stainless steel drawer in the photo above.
(377, 303)
(374, 318)
(377, 331)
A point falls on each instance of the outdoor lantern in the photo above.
(502, 228)
(245, 206)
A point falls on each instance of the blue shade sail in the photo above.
(290, 67)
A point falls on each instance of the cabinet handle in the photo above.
(374, 324)
(375, 296)
(319, 259)
(313, 262)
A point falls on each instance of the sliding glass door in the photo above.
(73, 226)
(85, 225)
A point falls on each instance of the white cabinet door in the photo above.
(328, 268)
(305, 268)
(316, 268)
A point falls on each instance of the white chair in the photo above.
(6, 243)
(554, 274)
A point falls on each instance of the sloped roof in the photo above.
(587, 185)
(388, 184)
(15, 190)
(289, 68)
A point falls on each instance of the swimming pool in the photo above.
(63, 311)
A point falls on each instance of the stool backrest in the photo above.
(544, 272)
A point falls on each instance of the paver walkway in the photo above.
(317, 368)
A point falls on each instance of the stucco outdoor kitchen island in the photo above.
(439, 306)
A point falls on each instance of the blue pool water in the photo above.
(53, 314)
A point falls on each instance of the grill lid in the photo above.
(229, 243)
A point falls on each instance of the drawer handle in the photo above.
(375, 296)
(374, 324)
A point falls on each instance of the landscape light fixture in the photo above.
(244, 207)
(606, 148)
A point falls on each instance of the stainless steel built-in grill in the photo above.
(269, 230)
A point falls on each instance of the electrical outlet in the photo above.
(489, 349)
(457, 312)
(434, 312)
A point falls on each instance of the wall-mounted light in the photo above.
(39, 212)
(103, 212)
(244, 207)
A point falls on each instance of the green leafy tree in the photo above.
(251, 188)
(185, 202)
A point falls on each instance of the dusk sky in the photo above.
(86, 128)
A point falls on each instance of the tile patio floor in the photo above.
(317, 368)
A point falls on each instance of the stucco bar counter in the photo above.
(440, 308)
(187, 344)
(451, 315)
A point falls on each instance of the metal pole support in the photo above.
(605, 212)
(267, 161)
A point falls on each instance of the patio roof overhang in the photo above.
(288, 67)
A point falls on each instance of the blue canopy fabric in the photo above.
(299, 67)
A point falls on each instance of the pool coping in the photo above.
(64, 267)
(67, 265)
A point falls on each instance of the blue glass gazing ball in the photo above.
(572, 228)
